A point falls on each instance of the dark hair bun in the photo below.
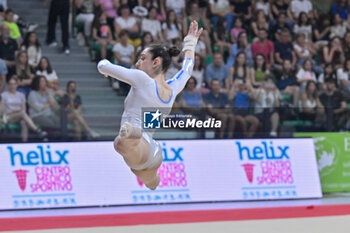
(173, 51)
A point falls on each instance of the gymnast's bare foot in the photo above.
(129, 131)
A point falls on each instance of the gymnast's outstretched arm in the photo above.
(134, 77)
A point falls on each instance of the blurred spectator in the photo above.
(201, 48)
(32, 46)
(303, 50)
(279, 7)
(241, 94)
(85, 14)
(335, 105)
(260, 70)
(2, 14)
(298, 6)
(287, 83)
(346, 45)
(61, 9)
(328, 73)
(171, 28)
(322, 29)
(14, 107)
(198, 71)
(56, 91)
(177, 6)
(221, 36)
(217, 70)
(146, 39)
(42, 105)
(343, 78)
(218, 107)
(3, 74)
(127, 22)
(152, 25)
(284, 49)
(14, 30)
(306, 74)
(262, 5)
(72, 102)
(8, 47)
(221, 8)
(242, 45)
(44, 68)
(311, 106)
(243, 8)
(102, 34)
(342, 8)
(303, 26)
(267, 102)
(259, 22)
(110, 8)
(333, 53)
(338, 27)
(239, 71)
(264, 46)
(277, 27)
(23, 73)
(237, 29)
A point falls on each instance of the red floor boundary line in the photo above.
(128, 219)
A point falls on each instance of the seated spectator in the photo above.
(146, 39)
(221, 36)
(299, 6)
(23, 73)
(239, 71)
(305, 74)
(335, 105)
(242, 45)
(14, 107)
(198, 71)
(236, 30)
(72, 102)
(243, 9)
(56, 91)
(322, 30)
(241, 95)
(127, 22)
(217, 70)
(3, 73)
(177, 6)
(333, 53)
(218, 107)
(287, 83)
(264, 46)
(151, 24)
(44, 68)
(311, 106)
(32, 46)
(340, 7)
(8, 47)
(284, 49)
(42, 105)
(259, 22)
(102, 34)
(14, 30)
(304, 26)
(110, 8)
(221, 9)
(346, 45)
(338, 27)
(276, 28)
(171, 28)
(328, 73)
(264, 6)
(279, 7)
(267, 102)
(343, 77)
(304, 50)
(85, 14)
(260, 70)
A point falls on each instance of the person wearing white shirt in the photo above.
(44, 69)
(125, 21)
(152, 25)
(171, 29)
(305, 74)
(298, 6)
(343, 75)
(178, 6)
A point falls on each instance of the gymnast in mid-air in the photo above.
(149, 89)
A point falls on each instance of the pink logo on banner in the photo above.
(249, 171)
(21, 178)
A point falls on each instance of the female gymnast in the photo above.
(149, 89)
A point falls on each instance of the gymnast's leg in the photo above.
(136, 152)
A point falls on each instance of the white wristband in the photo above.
(190, 43)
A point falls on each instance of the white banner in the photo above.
(48, 175)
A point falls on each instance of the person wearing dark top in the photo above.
(8, 47)
(243, 9)
(284, 49)
(279, 6)
(275, 28)
(218, 107)
(335, 105)
(73, 104)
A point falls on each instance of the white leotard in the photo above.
(144, 91)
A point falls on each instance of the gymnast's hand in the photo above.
(194, 29)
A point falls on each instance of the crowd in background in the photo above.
(30, 94)
(257, 63)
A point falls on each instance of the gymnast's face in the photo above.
(146, 64)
